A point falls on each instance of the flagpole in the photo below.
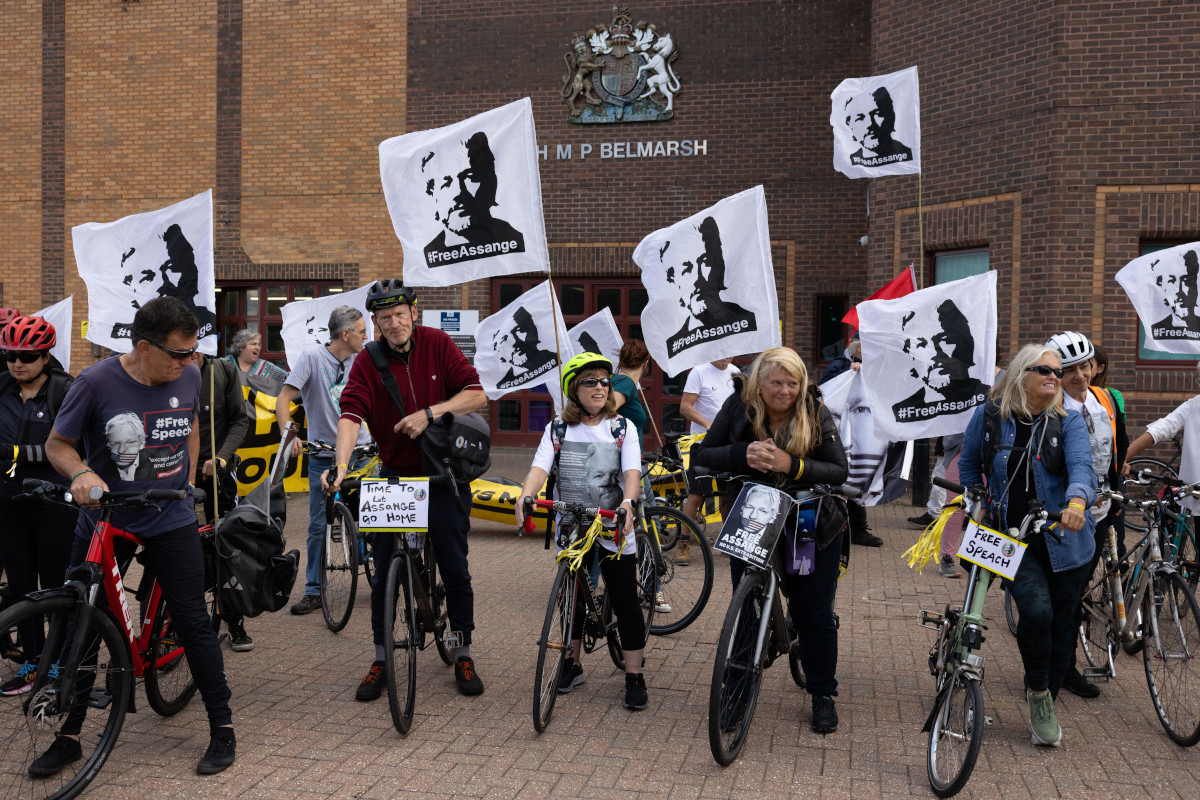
(920, 233)
(653, 424)
(557, 346)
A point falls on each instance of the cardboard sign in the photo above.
(991, 550)
(394, 504)
(754, 524)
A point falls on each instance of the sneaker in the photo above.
(1043, 723)
(58, 755)
(239, 640)
(372, 685)
(468, 680)
(947, 568)
(22, 682)
(865, 538)
(824, 714)
(572, 676)
(222, 745)
(661, 606)
(683, 553)
(635, 692)
(1078, 685)
(307, 604)
(923, 521)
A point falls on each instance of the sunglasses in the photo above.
(1042, 369)
(24, 356)
(178, 355)
(589, 383)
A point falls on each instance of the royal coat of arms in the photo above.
(620, 73)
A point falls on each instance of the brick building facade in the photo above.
(1055, 138)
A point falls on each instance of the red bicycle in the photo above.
(92, 653)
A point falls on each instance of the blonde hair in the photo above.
(802, 430)
(573, 412)
(1010, 394)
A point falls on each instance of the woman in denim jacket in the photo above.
(1027, 464)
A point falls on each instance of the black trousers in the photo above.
(35, 547)
(620, 584)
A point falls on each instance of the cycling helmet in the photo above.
(392, 292)
(580, 363)
(1073, 348)
(27, 333)
(7, 315)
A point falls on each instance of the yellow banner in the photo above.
(262, 441)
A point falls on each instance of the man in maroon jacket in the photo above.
(434, 377)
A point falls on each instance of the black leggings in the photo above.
(620, 582)
(35, 547)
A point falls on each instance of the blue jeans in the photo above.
(316, 518)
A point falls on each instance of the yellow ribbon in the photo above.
(575, 553)
(929, 546)
(12, 471)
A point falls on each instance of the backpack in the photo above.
(1052, 455)
(460, 444)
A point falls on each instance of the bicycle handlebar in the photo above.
(576, 509)
(47, 490)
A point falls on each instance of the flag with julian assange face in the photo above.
(466, 199)
(61, 316)
(597, 334)
(127, 263)
(877, 125)
(1164, 287)
(711, 285)
(929, 357)
(875, 464)
(517, 346)
(306, 322)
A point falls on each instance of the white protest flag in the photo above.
(874, 463)
(515, 347)
(597, 334)
(1164, 287)
(877, 125)
(61, 316)
(711, 285)
(929, 357)
(466, 199)
(306, 322)
(128, 263)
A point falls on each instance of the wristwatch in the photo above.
(429, 415)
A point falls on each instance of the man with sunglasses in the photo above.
(155, 387)
(318, 377)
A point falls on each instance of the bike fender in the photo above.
(70, 590)
(937, 703)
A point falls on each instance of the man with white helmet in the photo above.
(1106, 429)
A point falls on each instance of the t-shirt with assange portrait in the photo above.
(711, 387)
(135, 437)
(320, 378)
(590, 468)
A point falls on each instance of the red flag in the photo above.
(902, 284)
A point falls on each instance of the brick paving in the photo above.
(302, 735)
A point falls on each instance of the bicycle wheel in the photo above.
(103, 687)
(1156, 472)
(1171, 633)
(687, 568)
(553, 646)
(400, 654)
(169, 681)
(1131, 585)
(437, 601)
(1096, 634)
(339, 568)
(647, 556)
(955, 737)
(736, 677)
(1187, 555)
(1011, 614)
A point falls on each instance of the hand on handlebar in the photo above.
(339, 475)
(1073, 516)
(519, 508)
(81, 488)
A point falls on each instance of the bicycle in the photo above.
(1147, 477)
(756, 631)
(955, 723)
(91, 656)
(1167, 616)
(343, 550)
(683, 586)
(572, 586)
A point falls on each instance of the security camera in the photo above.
(862, 241)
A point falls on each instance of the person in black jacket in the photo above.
(779, 431)
(35, 543)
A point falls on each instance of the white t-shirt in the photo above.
(316, 375)
(1100, 432)
(711, 386)
(588, 470)
(1186, 418)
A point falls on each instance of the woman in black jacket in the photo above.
(779, 432)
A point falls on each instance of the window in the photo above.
(957, 264)
(1149, 354)
(259, 307)
(831, 332)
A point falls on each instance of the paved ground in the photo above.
(302, 735)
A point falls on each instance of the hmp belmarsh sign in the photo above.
(662, 148)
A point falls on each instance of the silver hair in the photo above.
(342, 319)
(241, 340)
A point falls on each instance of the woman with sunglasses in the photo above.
(35, 544)
(597, 463)
(1027, 446)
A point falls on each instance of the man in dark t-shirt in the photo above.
(136, 416)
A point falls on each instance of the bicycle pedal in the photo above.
(453, 639)
(930, 619)
(987, 721)
(1096, 674)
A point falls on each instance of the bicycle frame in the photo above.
(424, 608)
